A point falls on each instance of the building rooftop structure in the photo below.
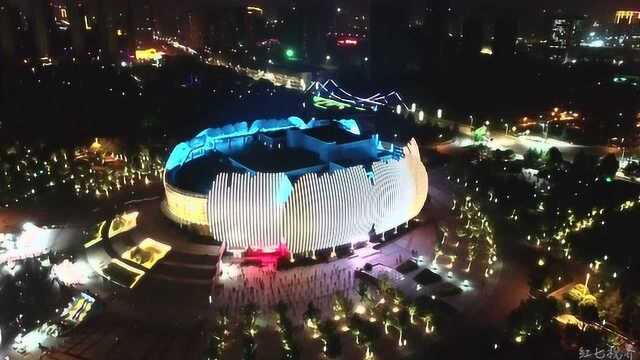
(288, 146)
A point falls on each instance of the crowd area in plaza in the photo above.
(265, 287)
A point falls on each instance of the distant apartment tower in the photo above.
(306, 24)
(504, 36)
(42, 19)
(437, 26)
(566, 32)
(17, 42)
(8, 32)
(79, 25)
(254, 25)
(146, 24)
(108, 43)
(472, 36)
(388, 34)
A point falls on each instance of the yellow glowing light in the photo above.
(486, 51)
(123, 223)
(628, 16)
(252, 9)
(97, 237)
(148, 54)
(86, 23)
(96, 145)
(136, 272)
(147, 253)
(519, 339)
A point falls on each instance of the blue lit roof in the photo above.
(241, 129)
(289, 146)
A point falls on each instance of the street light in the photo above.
(545, 129)
(506, 129)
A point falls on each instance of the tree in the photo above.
(553, 157)
(342, 305)
(480, 134)
(610, 305)
(632, 169)
(363, 289)
(330, 333)
(631, 315)
(532, 315)
(584, 166)
(312, 313)
(531, 159)
(608, 166)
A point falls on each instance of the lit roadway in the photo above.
(521, 144)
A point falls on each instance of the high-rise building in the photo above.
(193, 29)
(316, 16)
(8, 32)
(292, 28)
(566, 31)
(388, 36)
(437, 27)
(17, 43)
(504, 36)
(304, 31)
(79, 25)
(106, 31)
(254, 25)
(472, 36)
(146, 24)
(43, 25)
(131, 26)
(61, 15)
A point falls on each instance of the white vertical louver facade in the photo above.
(318, 211)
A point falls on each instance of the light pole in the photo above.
(545, 130)
(471, 121)
(506, 129)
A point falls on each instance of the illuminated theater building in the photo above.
(305, 186)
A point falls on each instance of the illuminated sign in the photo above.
(148, 55)
(627, 16)
(347, 42)
(254, 9)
